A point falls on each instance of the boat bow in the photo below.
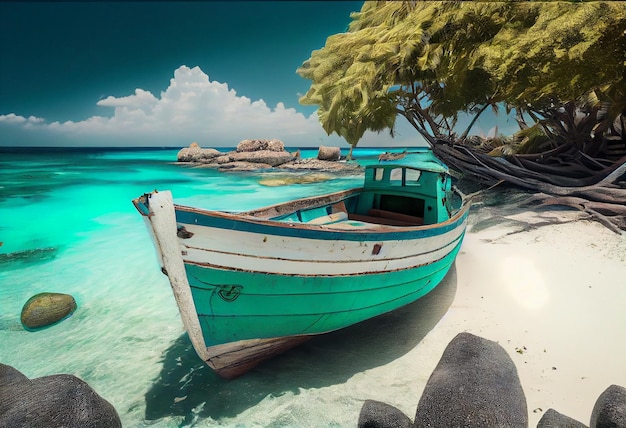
(157, 210)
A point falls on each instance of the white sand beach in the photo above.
(554, 297)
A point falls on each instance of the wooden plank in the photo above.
(379, 220)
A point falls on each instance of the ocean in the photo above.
(68, 226)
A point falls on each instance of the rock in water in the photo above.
(256, 145)
(610, 409)
(20, 259)
(475, 384)
(276, 145)
(375, 414)
(44, 309)
(60, 400)
(195, 153)
(269, 157)
(329, 153)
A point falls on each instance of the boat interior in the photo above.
(392, 195)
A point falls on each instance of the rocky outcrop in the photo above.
(44, 309)
(243, 166)
(256, 145)
(268, 157)
(194, 153)
(252, 155)
(60, 400)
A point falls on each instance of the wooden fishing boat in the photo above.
(252, 284)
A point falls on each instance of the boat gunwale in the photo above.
(244, 217)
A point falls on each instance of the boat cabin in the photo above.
(401, 195)
(393, 194)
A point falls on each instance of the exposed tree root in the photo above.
(578, 181)
(609, 214)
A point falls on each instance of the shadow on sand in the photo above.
(187, 387)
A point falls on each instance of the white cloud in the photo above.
(15, 119)
(192, 108)
(142, 100)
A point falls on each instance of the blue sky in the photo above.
(165, 73)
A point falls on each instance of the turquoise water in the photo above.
(68, 226)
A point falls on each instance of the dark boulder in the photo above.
(375, 414)
(553, 419)
(610, 409)
(10, 375)
(44, 309)
(475, 384)
(60, 400)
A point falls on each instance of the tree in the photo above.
(432, 60)
(557, 64)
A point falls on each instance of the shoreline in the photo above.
(136, 355)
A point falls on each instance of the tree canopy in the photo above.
(429, 61)
(556, 64)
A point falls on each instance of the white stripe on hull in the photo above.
(292, 255)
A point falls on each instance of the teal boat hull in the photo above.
(270, 306)
(251, 285)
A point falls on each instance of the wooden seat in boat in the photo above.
(388, 217)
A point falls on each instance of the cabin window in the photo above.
(378, 174)
(396, 174)
(406, 176)
(412, 176)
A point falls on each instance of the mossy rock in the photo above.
(44, 309)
